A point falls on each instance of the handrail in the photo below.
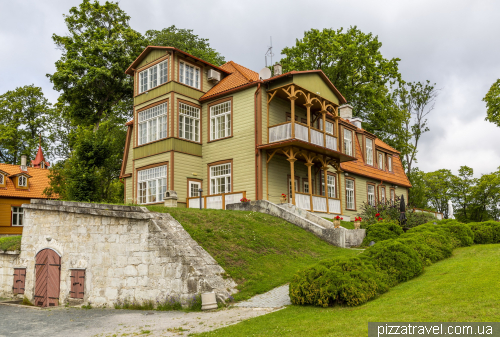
(223, 195)
(272, 126)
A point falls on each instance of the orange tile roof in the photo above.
(398, 176)
(239, 77)
(37, 183)
(383, 145)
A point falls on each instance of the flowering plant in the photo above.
(377, 215)
(338, 218)
(358, 218)
(380, 219)
(283, 195)
(244, 200)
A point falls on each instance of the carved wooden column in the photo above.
(308, 107)
(309, 180)
(292, 173)
(323, 112)
(325, 173)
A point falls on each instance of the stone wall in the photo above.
(127, 252)
(7, 262)
(322, 228)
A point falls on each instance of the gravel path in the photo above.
(275, 298)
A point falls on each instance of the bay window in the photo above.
(153, 76)
(189, 122)
(189, 75)
(152, 184)
(369, 151)
(220, 178)
(348, 142)
(153, 124)
(220, 120)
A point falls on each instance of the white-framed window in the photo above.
(382, 194)
(153, 76)
(153, 123)
(380, 161)
(306, 187)
(331, 185)
(349, 195)
(194, 187)
(152, 184)
(393, 196)
(369, 151)
(220, 178)
(389, 162)
(290, 187)
(22, 181)
(220, 120)
(189, 75)
(371, 195)
(1, 179)
(189, 122)
(348, 142)
(329, 126)
(17, 216)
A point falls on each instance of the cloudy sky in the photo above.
(454, 44)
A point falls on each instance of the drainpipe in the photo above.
(257, 151)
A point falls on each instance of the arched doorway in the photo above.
(48, 278)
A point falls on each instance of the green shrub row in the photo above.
(396, 257)
(485, 232)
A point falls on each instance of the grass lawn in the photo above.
(10, 243)
(463, 288)
(259, 251)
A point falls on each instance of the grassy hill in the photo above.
(463, 288)
(257, 250)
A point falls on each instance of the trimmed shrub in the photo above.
(415, 219)
(459, 234)
(485, 232)
(430, 246)
(350, 281)
(399, 261)
(381, 231)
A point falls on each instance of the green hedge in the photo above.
(485, 232)
(354, 281)
(381, 231)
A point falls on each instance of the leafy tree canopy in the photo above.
(492, 100)
(24, 115)
(185, 40)
(90, 74)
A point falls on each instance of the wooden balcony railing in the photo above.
(216, 201)
(283, 131)
(303, 200)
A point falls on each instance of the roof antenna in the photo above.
(269, 52)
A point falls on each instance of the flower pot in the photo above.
(336, 223)
(357, 224)
(283, 200)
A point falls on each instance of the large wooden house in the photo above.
(18, 185)
(232, 134)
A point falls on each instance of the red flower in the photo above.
(380, 219)
(377, 215)
(341, 218)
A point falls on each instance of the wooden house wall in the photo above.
(5, 215)
(185, 167)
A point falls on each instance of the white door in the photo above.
(194, 186)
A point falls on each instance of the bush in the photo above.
(430, 246)
(381, 231)
(485, 232)
(415, 219)
(349, 281)
(10, 243)
(399, 261)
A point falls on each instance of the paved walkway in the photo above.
(275, 298)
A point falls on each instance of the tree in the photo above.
(184, 40)
(416, 100)
(417, 196)
(462, 191)
(486, 197)
(23, 118)
(353, 62)
(90, 73)
(492, 100)
(438, 189)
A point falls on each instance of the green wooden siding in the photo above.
(185, 166)
(165, 89)
(128, 191)
(168, 144)
(151, 57)
(130, 156)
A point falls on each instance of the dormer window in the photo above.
(153, 76)
(380, 161)
(22, 181)
(389, 163)
(1, 179)
(348, 142)
(189, 75)
(369, 151)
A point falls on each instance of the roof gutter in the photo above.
(243, 87)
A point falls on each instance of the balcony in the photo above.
(283, 131)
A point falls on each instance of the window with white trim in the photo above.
(189, 75)
(348, 142)
(220, 120)
(189, 122)
(194, 187)
(371, 195)
(369, 151)
(220, 178)
(153, 76)
(22, 181)
(349, 195)
(329, 126)
(389, 162)
(290, 187)
(306, 187)
(393, 196)
(380, 161)
(152, 184)
(153, 123)
(330, 184)
(382, 194)
(17, 216)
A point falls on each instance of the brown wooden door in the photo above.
(19, 279)
(77, 283)
(47, 273)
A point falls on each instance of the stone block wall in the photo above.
(127, 253)
(7, 262)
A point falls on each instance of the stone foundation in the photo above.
(127, 253)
